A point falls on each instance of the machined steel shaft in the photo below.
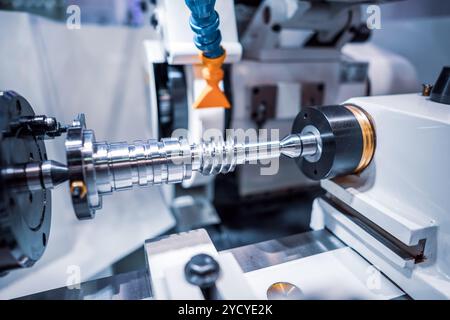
(121, 165)
(99, 168)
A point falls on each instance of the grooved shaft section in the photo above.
(223, 157)
(120, 166)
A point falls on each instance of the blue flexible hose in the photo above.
(205, 23)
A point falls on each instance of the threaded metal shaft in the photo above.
(222, 157)
(99, 168)
(120, 166)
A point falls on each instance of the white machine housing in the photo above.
(389, 225)
(404, 193)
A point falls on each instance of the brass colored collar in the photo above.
(368, 134)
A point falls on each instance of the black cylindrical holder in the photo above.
(347, 140)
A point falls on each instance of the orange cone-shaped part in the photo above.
(212, 96)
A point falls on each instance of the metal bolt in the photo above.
(78, 189)
(44, 126)
(203, 271)
(426, 90)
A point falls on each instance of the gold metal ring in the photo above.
(368, 135)
(78, 185)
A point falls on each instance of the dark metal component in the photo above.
(426, 89)
(312, 94)
(441, 89)
(172, 98)
(264, 100)
(40, 126)
(361, 33)
(24, 216)
(342, 141)
(77, 192)
(154, 22)
(264, 104)
(203, 271)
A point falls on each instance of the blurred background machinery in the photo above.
(102, 12)
(281, 58)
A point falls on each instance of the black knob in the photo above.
(361, 33)
(203, 271)
(441, 90)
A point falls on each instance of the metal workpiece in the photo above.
(120, 166)
(216, 157)
(34, 176)
(99, 168)
(300, 145)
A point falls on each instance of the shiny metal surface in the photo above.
(120, 166)
(300, 145)
(284, 291)
(192, 212)
(292, 145)
(129, 286)
(34, 176)
(79, 151)
(273, 252)
(136, 285)
(99, 168)
(314, 143)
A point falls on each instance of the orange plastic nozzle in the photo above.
(212, 96)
